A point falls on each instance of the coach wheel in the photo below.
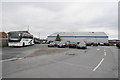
(23, 44)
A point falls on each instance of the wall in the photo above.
(4, 42)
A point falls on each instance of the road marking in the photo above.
(10, 59)
(98, 65)
(98, 49)
(104, 49)
(105, 53)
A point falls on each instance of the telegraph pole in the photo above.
(28, 28)
(39, 35)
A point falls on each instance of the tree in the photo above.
(57, 38)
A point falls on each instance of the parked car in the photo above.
(52, 44)
(72, 44)
(89, 44)
(67, 43)
(82, 45)
(95, 44)
(106, 44)
(56, 43)
(118, 45)
(101, 44)
(36, 41)
(62, 44)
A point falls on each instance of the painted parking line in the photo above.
(12, 59)
(98, 49)
(105, 53)
(98, 65)
(104, 49)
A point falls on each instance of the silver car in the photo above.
(62, 44)
(52, 44)
(81, 45)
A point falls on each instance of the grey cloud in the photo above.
(60, 0)
(50, 17)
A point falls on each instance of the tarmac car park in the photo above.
(41, 61)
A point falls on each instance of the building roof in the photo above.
(79, 34)
(21, 31)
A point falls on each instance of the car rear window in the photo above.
(72, 43)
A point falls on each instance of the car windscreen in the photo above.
(52, 43)
(82, 43)
(14, 35)
(62, 42)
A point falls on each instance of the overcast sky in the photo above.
(49, 17)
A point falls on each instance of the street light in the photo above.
(39, 35)
(28, 28)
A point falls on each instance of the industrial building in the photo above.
(94, 37)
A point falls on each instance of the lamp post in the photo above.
(28, 28)
(39, 35)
